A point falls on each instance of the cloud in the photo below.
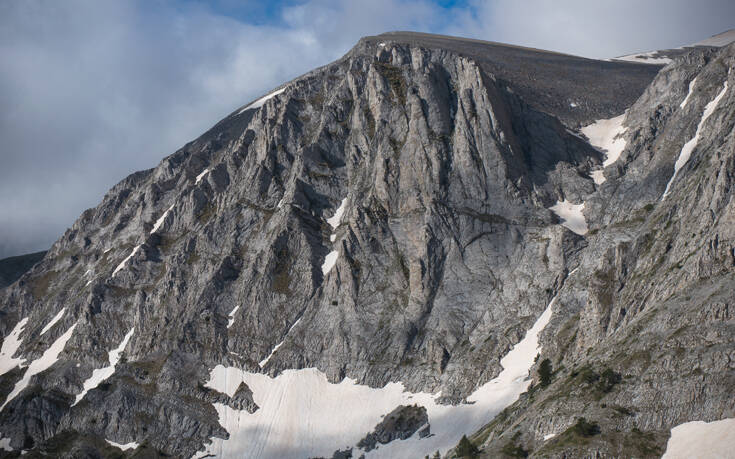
(92, 90)
(597, 29)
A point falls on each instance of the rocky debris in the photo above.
(399, 424)
(243, 399)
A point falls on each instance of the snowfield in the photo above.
(703, 440)
(126, 446)
(302, 414)
(41, 364)
(571, 215)
(607, 136)
(11, 343)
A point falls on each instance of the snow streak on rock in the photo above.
(331, 259)
(689, 94)
(232, 316)
(201, 176)
(11, 343)
(607, 136)
(41, 364)
(688, 148)
(160, 221)
(126, 446)
(56, 318)
(259, 103)
(302, 414)
(262, 363)
(101, 374)
(704, 440)
(571, 215)
(122, 263)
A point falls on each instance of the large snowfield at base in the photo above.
(301, 414)
(703, 440)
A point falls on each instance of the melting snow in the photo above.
(303, 415)
(160, 221)
(11, 343)
(56, 318)
(571, 215)
(232, 316)
(689, 94)
(688, 148)
(337, 217)
(329, 261)
(126, 446)
(704, 440)
(101, 374)
(644, 58)
(262, 363)
(606, 136)
(122, 263)
(259, 103)
(201, 176)
(41, 364)
(334, 221)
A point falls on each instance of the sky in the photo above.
(93, 90)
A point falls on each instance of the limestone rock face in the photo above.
(386, 218)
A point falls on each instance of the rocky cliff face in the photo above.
(386, 218)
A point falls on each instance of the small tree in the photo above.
(544, 373)
(465, 448)
(437, 455)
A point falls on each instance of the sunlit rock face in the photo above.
(390, 230)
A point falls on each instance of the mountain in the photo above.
(12, 268)
(428, 238)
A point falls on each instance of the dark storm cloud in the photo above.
(93, 90)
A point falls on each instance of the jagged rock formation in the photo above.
(386, 218)
(399, 424)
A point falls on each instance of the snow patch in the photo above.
(232, 316)
(549, 436)
(41, 364)
(644, 58)
(201, 176)
(688, 148)
(302, 414)
(160, 221)
(125, 447)
(573, 105)
(259, 103)
(335, 220)
(122, 263)
(703, 440)
(11, 343)
(607, 136)
(571, 215)
(56, 318)
(101, 374)
(263, 362)
(689, 94)
(280, 203)
(329, 261)
(5, 444)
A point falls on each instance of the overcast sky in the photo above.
(93, 90)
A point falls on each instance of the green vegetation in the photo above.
(583, 428)
(544, 373)
(511, 449)
(465, 448)
(394, 75)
